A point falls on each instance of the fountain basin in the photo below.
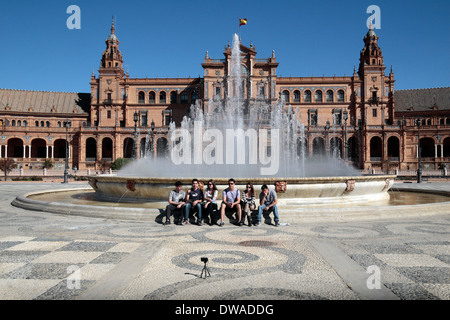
(290, 191)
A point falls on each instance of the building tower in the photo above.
(108, 94)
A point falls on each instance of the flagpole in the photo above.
(239, 30)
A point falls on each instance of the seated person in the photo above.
(248, 203)
(176, 203)
(231, 201)
(194, 199)
(209, 201)
(268, 202)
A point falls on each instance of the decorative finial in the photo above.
(207, 55)
(273, 53)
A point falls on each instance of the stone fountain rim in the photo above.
(240, 180)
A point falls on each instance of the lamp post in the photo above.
(419, 153)
(135, 119)
(345, 115)
(152, 126)
(67, 124)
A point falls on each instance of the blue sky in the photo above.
(170, 38)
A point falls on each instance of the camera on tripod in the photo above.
(205, 268)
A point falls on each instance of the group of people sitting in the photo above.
(205, 203)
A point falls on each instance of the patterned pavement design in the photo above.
(48, 256)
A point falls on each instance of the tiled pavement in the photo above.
(50, 256)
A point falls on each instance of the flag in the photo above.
(242, 22)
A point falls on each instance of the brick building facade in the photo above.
(361, 116)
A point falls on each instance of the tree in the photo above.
(119, 163)
(6, 165)
(48, 164)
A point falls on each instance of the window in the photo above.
(329, 95)
(151, 97)
(167, 120)
(285, 96)
(167, 117)
(19, 123)
(374, 113)
(108, 114)
(194, 96)
(141, 97)
(162, 97)
(36, 123)
(307, 96)
(318, 96)
(144, 117)
(340, 96)
(261, 91)
(47, 124)
(337, 117)
(184, 97)
(296, 96)
(312, 117)
(173, 97)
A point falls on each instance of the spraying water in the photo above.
(233, 138)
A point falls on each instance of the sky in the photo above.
(170, 38)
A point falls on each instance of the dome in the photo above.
(113, 37)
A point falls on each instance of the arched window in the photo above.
(47, 124)
(307, 96)
(13, 123)
(162, 97)
(151, 97)
(296, 96)
(141, 97)
(329, 95)
(173, 97)
(340, 96)
(318, 96)
(285, 96)
(36, 123)
(19, 123)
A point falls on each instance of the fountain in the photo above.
(259, 143)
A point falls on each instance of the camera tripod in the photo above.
(205, 270)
